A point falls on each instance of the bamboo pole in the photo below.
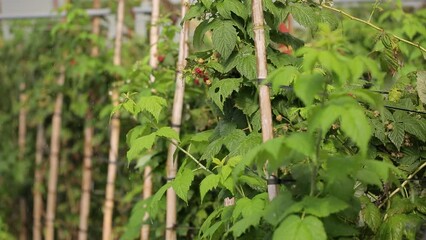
(262, 73)
(54, 159)
(88, 147)
(38, 183)
(115, 133)
(176, 122)
(22, 133)
(153, 62)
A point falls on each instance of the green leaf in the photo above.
(421, 86)
(301, 142)
(227, 6)
(398, 227)
(416, 127)
(307, 86)
(371, 214)
(224, 38)
(167, 132)
(246, 65)
(195, 10)
(295, 228)
(397, 134)
(356, 126)
(135, 221)
(182, 183)
(367, 96)
(157, 197)
(251, 211)
(202, 136)
(222, 89)
(304, 15)
(210, 182)
(324, 117)
(201, 30)
(283, 76)
(278, 205)
(207, 3)
(323, 207)
(140, 144)
(152, 104)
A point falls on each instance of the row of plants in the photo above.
(348, 125)
(347, 100)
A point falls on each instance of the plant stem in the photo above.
(403, 184)
(192, 157)
(374, 9)
(417, 45)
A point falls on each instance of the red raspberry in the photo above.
(198, 71)
(160, 58)
(196, 81)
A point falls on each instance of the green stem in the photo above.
(192, 157)
(376, 4)
(417, 45)
(403, 184)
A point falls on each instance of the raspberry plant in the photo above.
(349, 128)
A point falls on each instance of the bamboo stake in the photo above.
(54, 159)
(22, 133)
(38, 183)
(153, 62)
(262, 73)
(115, 133)
(176, 122)
(88, 147)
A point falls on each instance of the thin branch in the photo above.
(192, 157)
(417, 45)
(403, 184)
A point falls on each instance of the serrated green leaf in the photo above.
(157, 197)
(224, 38)
(182, 183)
(295, 228)
(226, 7)
(251, 211)
(201, 30)
(140, 144)
(421, 86)
(396, 135)
(398, 227)
(371, 215)
(167, 132)
(207, 229)
(305, 15)
(415, 127)
(194, 11)
(222, 89)
(202, 136)
(208, 183)
(283, 76)
(246, 65)
(279, 205)
(307, 86)
(152, 104)
(356, 126)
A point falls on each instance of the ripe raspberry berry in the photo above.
(198, 70)
(160, 58)
(197, 81)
